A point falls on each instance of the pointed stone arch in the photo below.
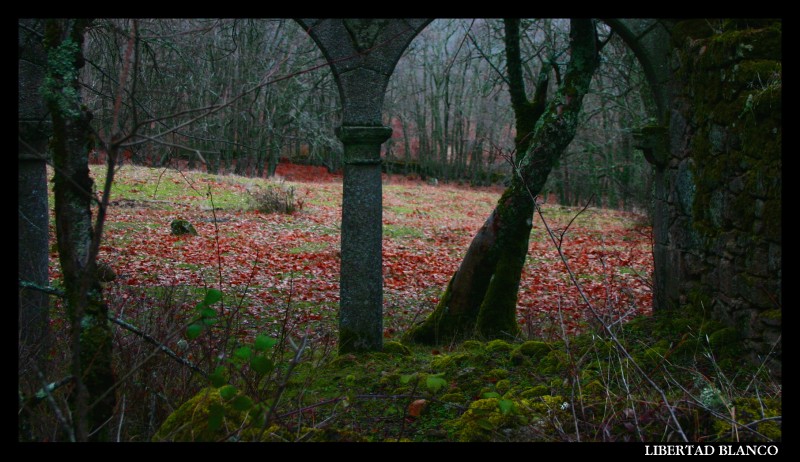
(362, 54)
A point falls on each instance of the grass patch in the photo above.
(401, 232)
(309, 247)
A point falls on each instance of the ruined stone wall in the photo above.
(722, 181)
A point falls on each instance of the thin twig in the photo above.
(161, 346)
(597, 316)
(65, 426)
(46, 289)
(41, 394)
(282, 387)
(121, 419)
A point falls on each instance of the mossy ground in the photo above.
(583, 389)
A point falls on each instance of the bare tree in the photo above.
(481, 297)
(78, 238)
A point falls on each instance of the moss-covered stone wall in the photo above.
(722, 183)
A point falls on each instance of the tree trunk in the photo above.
(481, 297)
(33, 217)
(92, 403)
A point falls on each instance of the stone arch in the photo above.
(649, 39)
(362, 54)
(731, 256)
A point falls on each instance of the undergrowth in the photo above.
(575, 389)
(193, 365)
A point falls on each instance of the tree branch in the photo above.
(161, 346)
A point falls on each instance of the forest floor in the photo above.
(269, 342)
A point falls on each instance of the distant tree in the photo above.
(481, 296)
(446, 101)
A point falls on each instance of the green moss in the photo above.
(344, 360)
(389, 378)
(535, 392)
(190, 422)
(651, 358)
(472, 346)
(326, 435)
(733, 79)
(546, 408)
(441, 327)
(594, 388)
(396, 348)
(449, 361)
(554, 362)
(771, 314)
(693, 29)
(725, 342)
(747, 411)
(533, 349)
(498, 346)
(496, 374)
(502, 386)
(482, 421)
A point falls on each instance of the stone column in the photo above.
(362, 54)
(653, 141)
(361, 284)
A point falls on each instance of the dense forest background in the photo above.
(261, 93)
(182, 248)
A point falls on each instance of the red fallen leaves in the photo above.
(416, 407)
(305, 173)
(272, 254)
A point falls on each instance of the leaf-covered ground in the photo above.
(278, 274)
(270, 259)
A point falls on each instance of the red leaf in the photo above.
(416, 407)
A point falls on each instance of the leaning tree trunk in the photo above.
(93, 401)
(481, 297)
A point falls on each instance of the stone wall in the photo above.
(722, 179)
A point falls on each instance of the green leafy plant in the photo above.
(206, 315)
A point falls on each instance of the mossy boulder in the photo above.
(473, 346)
(396, 348)
(498, 346)
(496, 374)
(483, 421)
(533, 349)
(181, 227)
(195, 419)
(725, 341)
(535, 392)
